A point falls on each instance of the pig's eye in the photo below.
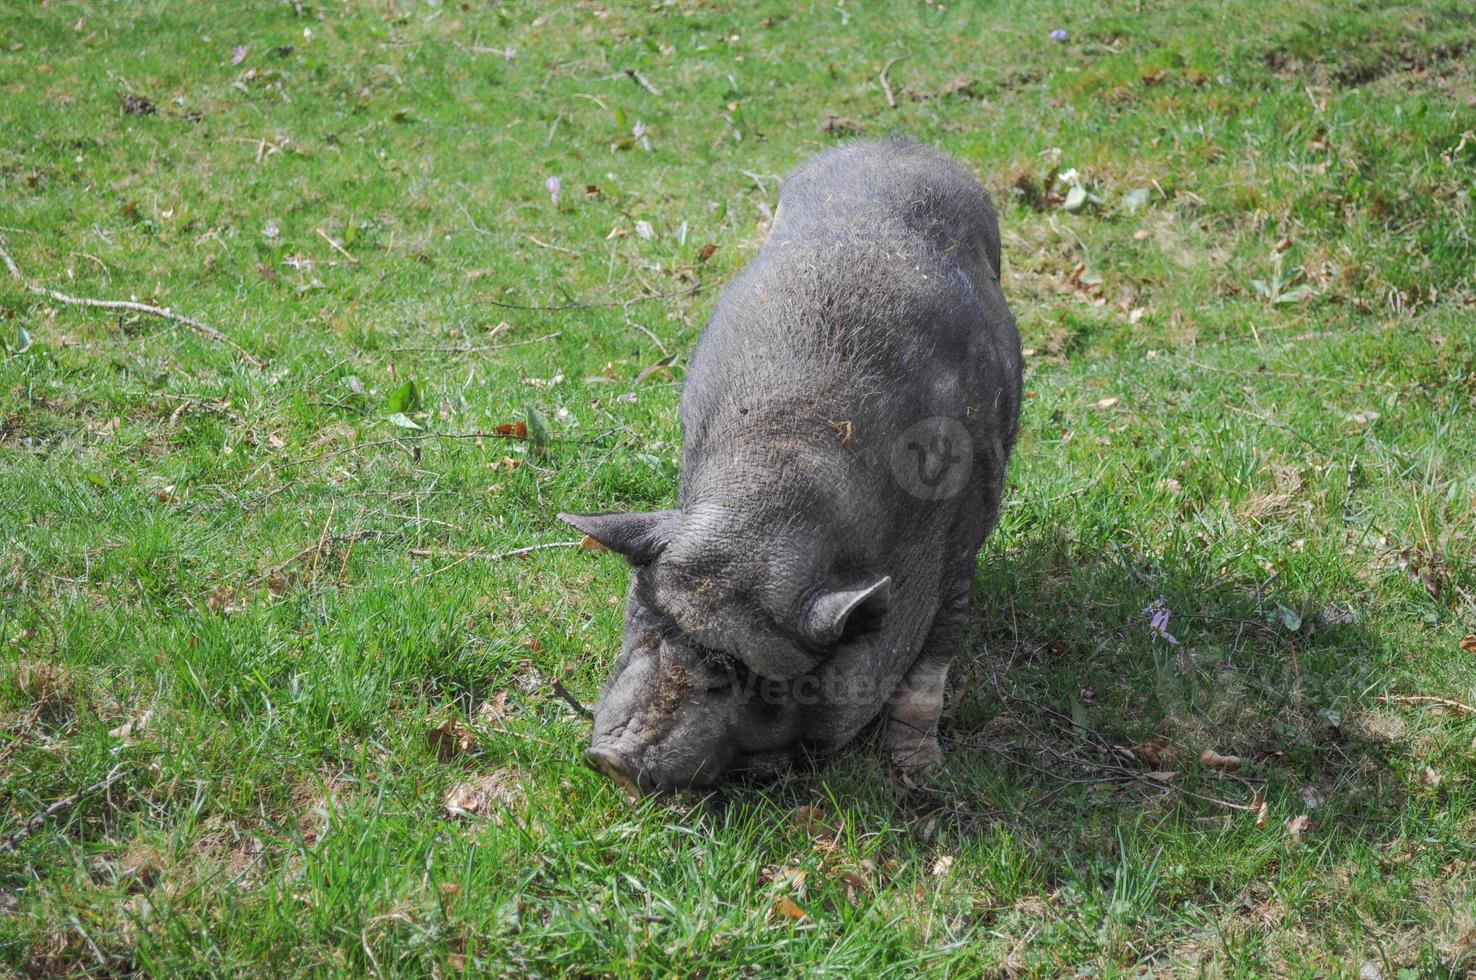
(719, 672)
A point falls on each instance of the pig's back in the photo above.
(890, 190)
(874, 299)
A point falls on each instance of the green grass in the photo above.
(1295, 479)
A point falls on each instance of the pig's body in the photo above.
(848, 415)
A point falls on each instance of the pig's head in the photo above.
(715, 663)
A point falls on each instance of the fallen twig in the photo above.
(32, 825)
(1458, 706)
(886, 86)
(474, 349)
(599, 305)
(556, 248)
(492, 555)
(1110, 771)
(358, 522)
(316, 550)
(336, 247)
(1264, 372)
(463, 556)
(573, 702)
(640, 80)
(475, 227)
(164, 313)
(654, 339)
(402, 439)
(322, 541)
(1274, 422)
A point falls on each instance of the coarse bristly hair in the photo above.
(873, 306)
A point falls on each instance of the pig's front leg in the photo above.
(912, 725)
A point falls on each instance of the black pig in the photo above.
(848, 414)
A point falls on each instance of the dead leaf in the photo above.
(483, 796)
(813, 821)
(1105, 403)
(450, 739)
(840, 124)
(1156, 753)
(855, 885)
(785, 879)
(940, 867)
(1468, 643)
(1430, 777)
(1312, 797)
(226, 601)
(513, 430)
(590, 544)
(1163, 775)
(135, 105)
(530, 680)
(1211, 759)
(492, 711)
(1424, 569)
(1263, 814)
(41, 682)
(1296, 827)
(705, 252)
(958, 85)
(786, 907)
(125, 731)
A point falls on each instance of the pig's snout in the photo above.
(618, 767)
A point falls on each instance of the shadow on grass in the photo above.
(1068, 717)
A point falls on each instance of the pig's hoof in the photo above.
(919, 754)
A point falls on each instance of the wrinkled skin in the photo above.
(848, 416)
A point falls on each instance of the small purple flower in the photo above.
(1158, 618)
(1059, 35)
(238, 54)
(553, 186)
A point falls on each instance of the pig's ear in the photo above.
(833, 611)
(641, 537)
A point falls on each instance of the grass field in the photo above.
(295, 717)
